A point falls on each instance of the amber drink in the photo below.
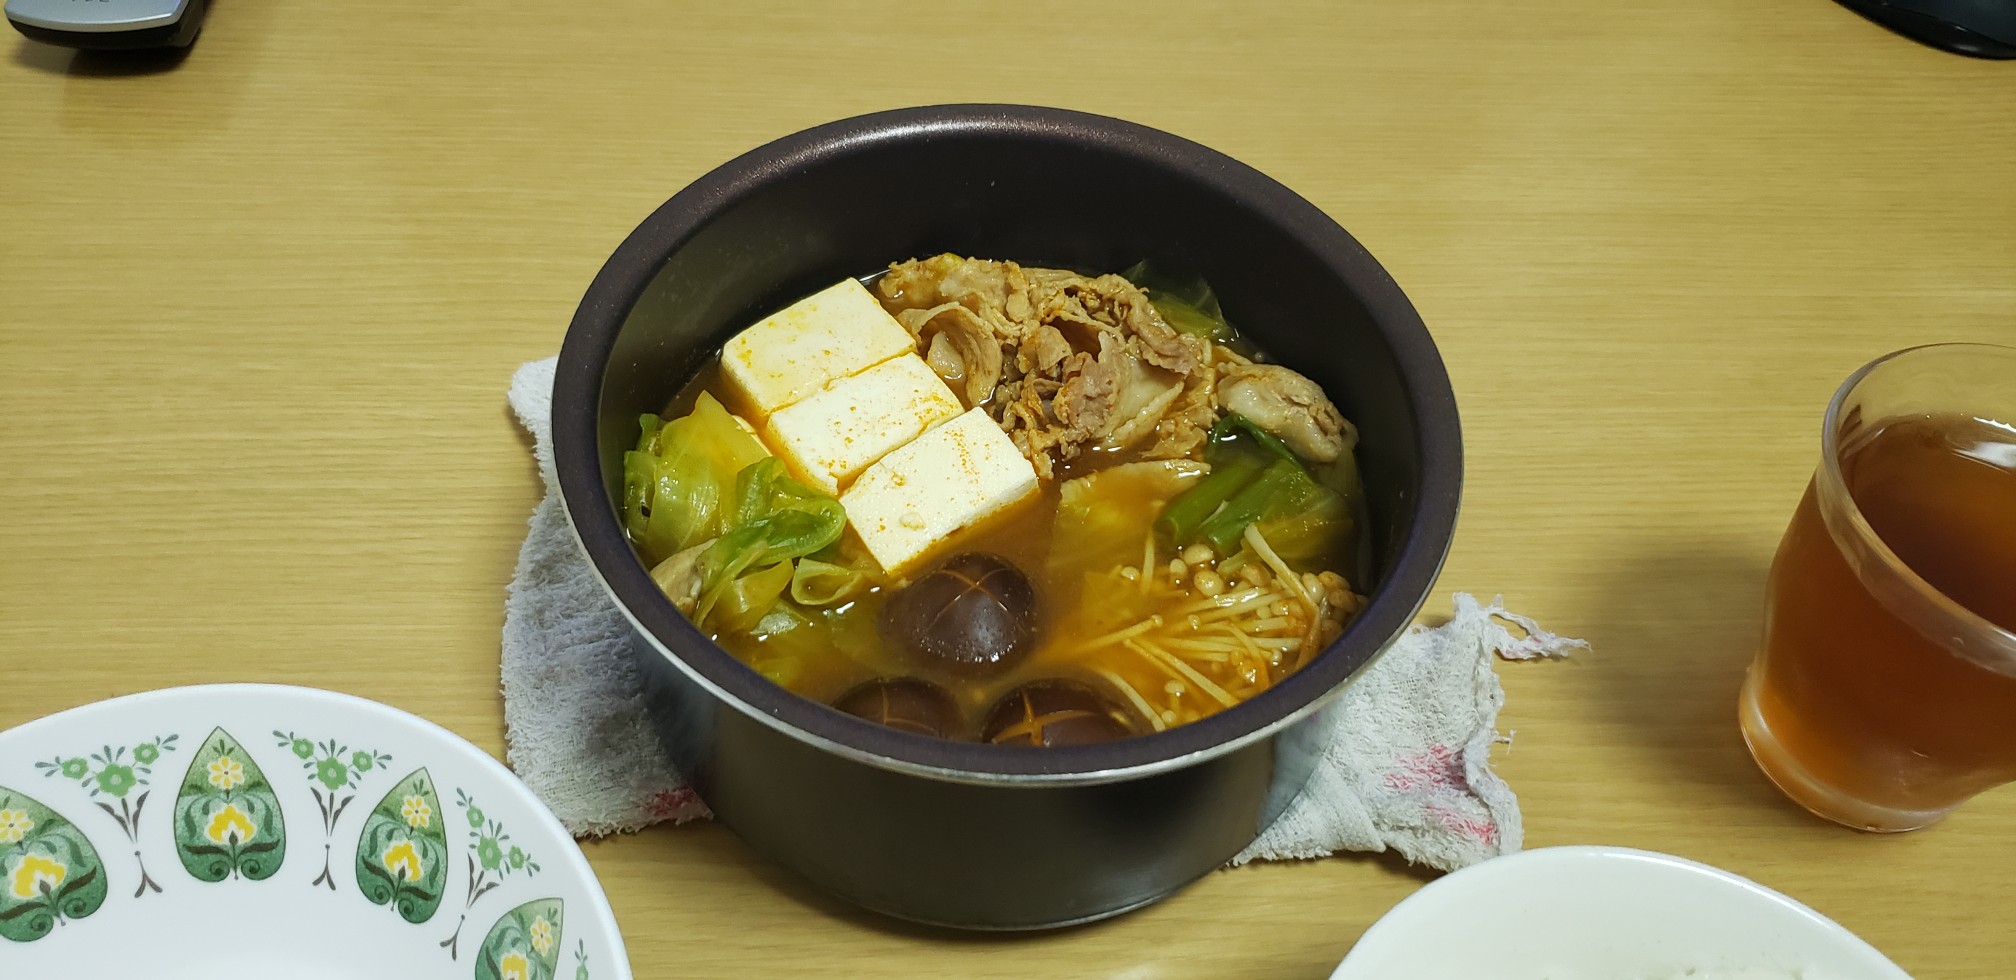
(1884, 694)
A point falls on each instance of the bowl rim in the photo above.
(598, 529)
(1423, 911)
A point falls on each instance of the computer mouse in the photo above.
(1976, 28)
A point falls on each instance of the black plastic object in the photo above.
(965, 833)
(177, 33)
(1976, 28)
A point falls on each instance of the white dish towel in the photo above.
(1408, 767)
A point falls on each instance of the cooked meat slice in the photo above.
(680, 576)
(1060, 360)
(913, 285)
(1290, 407)
(971, 342)
(1025, 416)
(1187, 423)
(945, 361)
(1051, 421)
(996, 292)
(1160, 342)
(1045, 350)
(1145, 394)
(1085, 402)
(1111, 304)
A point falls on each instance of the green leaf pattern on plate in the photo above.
(49, 873)
(113, 773)
(402, 857)
(227, 821)
(524, 944)
(491, 858)
(335, 767)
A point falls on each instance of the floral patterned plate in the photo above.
(257, 830)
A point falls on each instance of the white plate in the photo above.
(1605, 913)
(261, 831)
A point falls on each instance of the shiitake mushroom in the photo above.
(1055, 712)
(907, 704)
(974, 614)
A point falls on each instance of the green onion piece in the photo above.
(1185, 300)
(1281, 480)
(1184, 318)
(1234, 429)
(1188, 511)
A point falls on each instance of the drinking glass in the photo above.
(1884, 693)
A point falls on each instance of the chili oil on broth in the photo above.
(1083, 618)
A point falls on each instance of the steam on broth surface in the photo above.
(1007, 503)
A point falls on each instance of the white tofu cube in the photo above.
(953, 477)
(836, 432)
(794, 352)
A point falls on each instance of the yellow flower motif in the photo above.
(403, 861)
(230, 826)
(14, 825)
(514, 966)
(226, 773)
(417, 812)
(542, 935)
(35, 872)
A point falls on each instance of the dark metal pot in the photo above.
(967, 834)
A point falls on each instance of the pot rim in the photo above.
(598, 529)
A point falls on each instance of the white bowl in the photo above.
(1606, 913)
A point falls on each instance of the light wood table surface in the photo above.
(258, 309)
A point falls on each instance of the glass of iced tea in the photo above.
(1884, 694)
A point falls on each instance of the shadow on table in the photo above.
(96, 97)
(57, 60)
(1674, 634)
(795, 888)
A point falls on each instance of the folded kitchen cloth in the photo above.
(1408, 767)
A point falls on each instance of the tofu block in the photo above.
(794, 352)
(836, 432)
(948, 479)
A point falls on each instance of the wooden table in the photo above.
(258, 308)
